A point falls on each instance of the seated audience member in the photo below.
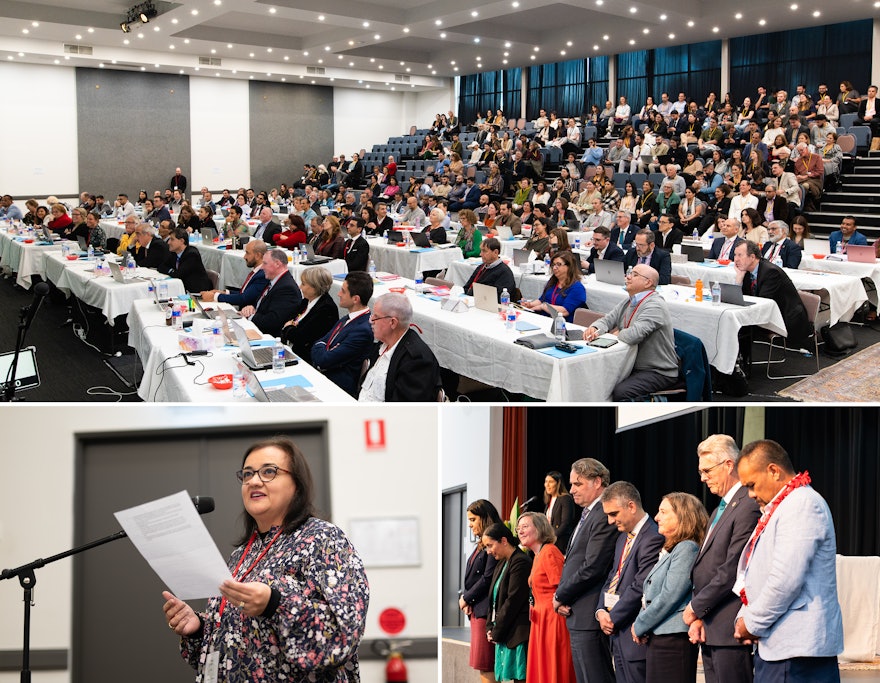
(468, 238)
(382, 222)
(8, 210)
(268, 228)
(759, 277)
(331, 242)
(597, 217)
(254, 283)
(413, 214)
(868, 114)
(30, 218)
(509, 218)
(314, 316)
(642, 320)
(153, 251)
(723, 248)
(848, 234)
(772, 206)
(667, 234)
(564, 292)
(558, 241)
(469, 200)
(800, 229)
(123, 207)
(402, 366)
(206, 219)
(356, 251)
(602, 248)
(539, 242)
(60, 219)
(645, 251)
(780, 246)
(95, 233)
(188, 220)
(810, 174)
(160, 211)
(280, 297)
(128, 238)
(493, 271)
(623, 233)
(235, 225)
(340, 353)
(752, 229)
(293, 235)
(185, 262)
(435, 230)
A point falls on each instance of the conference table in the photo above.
(25, 259)
(475, 343)
(864, 271)
(717, 326)
(408, 261)
(168, 378)
(233, 270)
(844, 293)
(103, 292)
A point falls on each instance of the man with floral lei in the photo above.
(787, 578)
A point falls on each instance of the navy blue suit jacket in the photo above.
(612, 253)
(791, 253)
(340, 353)
(249, 295)
(717, 245)
(628, 237)
(660, 261)
(278, 306)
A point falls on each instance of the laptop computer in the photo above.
(504, 232)
(816, 246)
(857, 253)
(733, 294)
(47, 235)
(259, 358)
(486, 297)
(83, 244)
(484, 231)
(609, 272)
(395, 236)
(213, 313)
(119, 276)
(208, 234)
(421, 240)
(694, 252)
(312, 258)
(276, 394)
(521, 256)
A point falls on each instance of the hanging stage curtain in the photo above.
(632, 78)
(513, 450)
(597, 82)
(513, 92)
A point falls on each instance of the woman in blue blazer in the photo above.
(671, 657)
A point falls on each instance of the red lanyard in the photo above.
(633, 314)
(248, 570)
(554, 294)
(479, 273)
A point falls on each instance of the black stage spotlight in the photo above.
(125, 27)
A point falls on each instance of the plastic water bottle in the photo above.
(65, 249)
(372, 268)
(297, 256)
(163, 291)
(547, 262)
(420, 280)
(130, 265)
(238, 384)
(695, 234)
(839, 248)
(217, 340)
(505, 298)
(559, 328)
(777, 261)
(509, 316)
(176, 318)
(577, 242)
(220, 233)
(150, 289)
(278, 357)
(91, 253)
(716, 293)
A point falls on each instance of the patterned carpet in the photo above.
(856, 378)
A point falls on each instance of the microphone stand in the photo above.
(27, 578)
(9, 391)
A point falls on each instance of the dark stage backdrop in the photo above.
(839, 447)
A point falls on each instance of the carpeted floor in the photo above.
(856, 378)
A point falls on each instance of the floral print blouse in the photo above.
(313, 633)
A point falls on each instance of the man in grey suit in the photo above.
(587, 563)
(713, 607)
(638, 545)
(787, 574)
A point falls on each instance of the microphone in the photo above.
(204, 504)
(529, 502)
(41, 289)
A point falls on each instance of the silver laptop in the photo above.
(259, 358)
(83, 244)
(504, 232)
(47, 235)
(208, 235)
(521, 256)
(857, 253)
(486, 297)
(733, 294)
(816, 246)
(214, 313)
(119, 276)
(276, 394)
(609, 272)
(313, 259)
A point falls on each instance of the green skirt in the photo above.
(510, 665)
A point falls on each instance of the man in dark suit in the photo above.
(638, 545)
(280, 297)
(667, 234)
(645, 252)
(713, 606)
(587, 563)
(267, 229)
(185, 262)
(470, 199)
(153, 251)
(402, 365)
(779, 246)
(356, 250)
(340, 353)
(178, 181)
(160, 211)
(773, 206)
(723, 248)
(869, 112)
(603, 249)
(759, 277)
(624, 232)
(254, 283)
(492, 271)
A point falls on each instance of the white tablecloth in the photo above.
(507, 247)
(407, 263)
(112, 227)
(113, 298)
(233, 269)
(870, 271)
(25, 260)
(477, 345)
(843, 293)
(174, 381)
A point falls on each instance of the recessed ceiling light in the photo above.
(194, 12)
(452, 63)
(25, 31)
(503, 61)
(794, 7)
(272, 10)
(313, 82)
(508, 44)
(454, 69)
(350, 43)
(646, 30)
(78, 36)
(326, 48)
(762, 22)
(198, 68)
(671, 36)
(35, 24)
(600, 2)
(605, 37)
(433, 73)
(662, 17)
(402, 63)
(406, 29)
(430, 66)
(170, 47)
(562, 52)
(67, 58)
(351, 63)
(305, 54)
(715, 29)
(156, 65)
(514, 4)
(235, 71)
(320, 18)
(91, 30)
(251, 54)
(478, 57)
(507, 54)
(286, 58)
(269, 75)
(477, 40)
(569, 43)
(393, 88)
(366, 24)
(438, 22)
(284, 80)
(218, 2)
(251, 77)
(58, 61)
(372, 60)
(595, 47)
(127, 41)
(140, 35)
(181, 71)
(442, 35)
(213, 51)
(633, 10)
(320, 61)
(21, 54)
(381, 66)
(216, 73)
(228, 46)
(536, 48)
(186, 41)
(691, 23)
(143, 68)
(738, 15)
(475, 13)
(632, 42)
(174, 21)
(817, 13)
(377, 37)
(268, 49)
(532, 57)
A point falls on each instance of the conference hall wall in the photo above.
(110, 131)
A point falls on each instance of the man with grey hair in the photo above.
(280, 298)
(642, 319)
(401, 367)
(713, 607)
(780, 249)
(638, 544)
(588, 559)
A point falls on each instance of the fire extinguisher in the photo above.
(395, 669)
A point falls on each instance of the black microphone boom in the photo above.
(41, 289)
(204, 504)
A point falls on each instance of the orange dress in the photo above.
(549, 659)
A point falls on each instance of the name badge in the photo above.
(610, 600)
(739, 584)
(212, 665)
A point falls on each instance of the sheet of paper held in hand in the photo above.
(171, 536)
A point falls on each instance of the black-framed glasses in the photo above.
(705, 470)
(267, 473)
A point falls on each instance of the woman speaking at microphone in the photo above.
(296, 605)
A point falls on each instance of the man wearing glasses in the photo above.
(402, 366)
(642, 320)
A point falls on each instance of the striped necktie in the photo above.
(580, 523)
(630, 537)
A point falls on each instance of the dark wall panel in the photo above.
(290, 125)
(133, 130)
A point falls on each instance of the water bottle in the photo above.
(163, 291)
(176, 318)
(278, 357)
(509, 316)
(505, 298)
(217, 340)
(65, 250)
(130, 265)
(91, 253)
(238, 383)
(695, 234)
(420, 280)
(372, 268)
(297, 256)
(220, 233)
(716, 293)
(559, 328)
(547, 262)
(839, 248)
(577, 242)
(777, 261)
(150, 289)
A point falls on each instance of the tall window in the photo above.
(822, 54)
